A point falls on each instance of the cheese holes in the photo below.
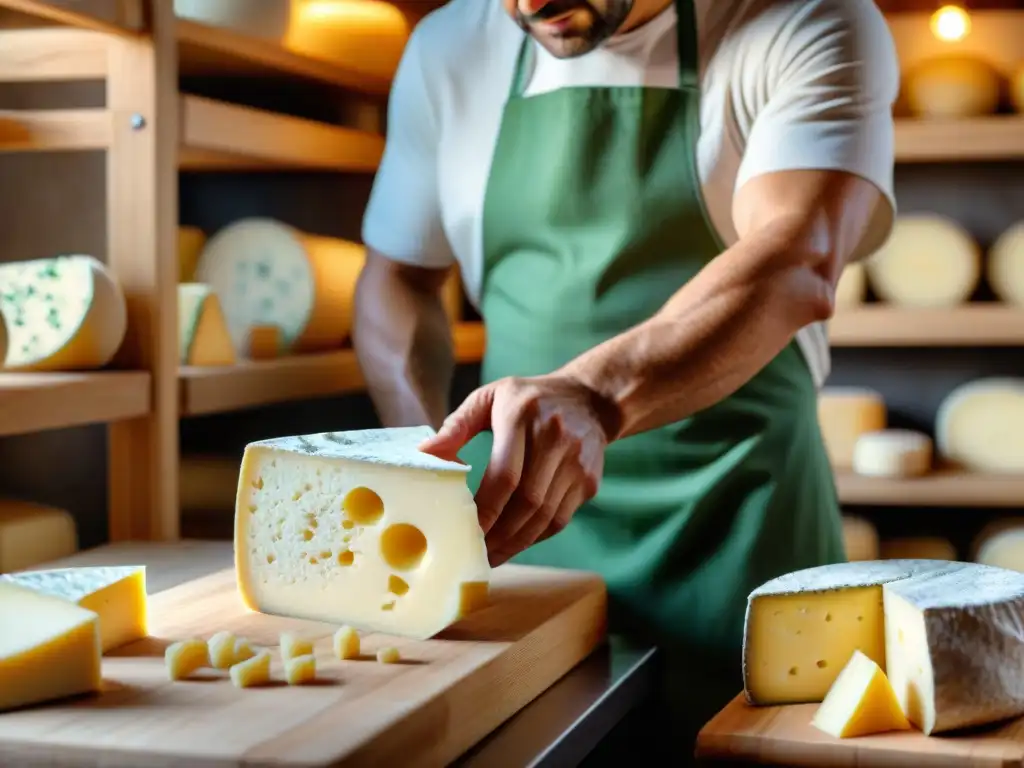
(362, 506)
(403, 546)
(397, 585)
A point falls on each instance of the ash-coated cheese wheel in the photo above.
(928, 261)
(980, 425)
(846, 413)
(860, 538)
(953, 87)
(266, 273)
(892, 453)
(64, 313)
(1005, 268)
(852, 286)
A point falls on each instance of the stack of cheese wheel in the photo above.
(1001, 543)
(1005, 268)
(266, 273)
(980, 425)
(951, 87)
(846, 413)
(928, 261)
(62, 314)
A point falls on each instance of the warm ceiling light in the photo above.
(363, 10)
(951, 23)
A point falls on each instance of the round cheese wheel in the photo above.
(1017, 89)
(893, 453)
(266, 273)
(33, 534)
(1005, 269)
(928, 261)
(190, 244)
(852, 286)
(846, 413)
(860, 538)
(918, 548)
(269, 22)
(1002, 545)
(63, 314)
(953, 87)
(980, 425)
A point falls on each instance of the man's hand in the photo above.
(547, 458)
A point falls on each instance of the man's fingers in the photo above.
(571, 502)
(536, 524)
(468, 420)
(503, 473)
(540, 489)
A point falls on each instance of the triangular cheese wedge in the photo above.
(203, 337)
(860, 702)
(116, 593)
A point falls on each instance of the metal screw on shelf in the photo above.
(138, 122)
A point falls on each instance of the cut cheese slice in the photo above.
(31, 534)
(203, 337)
(953, 87)
(49, 648)
(1005, 266)
(359, 528)
(927, 261)
(852, 286)
(893, 453)
(980, 425)
(860, 702)
(918, 548)
(846, 413)
(860, 538)
(190, 245)
(116, 593)
(267, 273)
(65, 313)
(946, 634)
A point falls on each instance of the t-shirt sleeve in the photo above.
(831, 82)
(403, 217)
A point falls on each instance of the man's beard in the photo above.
(577, 42)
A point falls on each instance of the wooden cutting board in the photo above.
(445, 695)
(785, 736)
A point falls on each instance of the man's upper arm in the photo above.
(403, 217)
(829, 111)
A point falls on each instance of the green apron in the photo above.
(593, 219)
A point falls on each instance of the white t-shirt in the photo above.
(786, 84)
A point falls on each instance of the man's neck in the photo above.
(643, 11)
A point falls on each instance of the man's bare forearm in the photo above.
(403, 341)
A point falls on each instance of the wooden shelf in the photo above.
(971, 325)
(120, 17)
(264, 382)
(220, 136)
(943, 488)
(1000, 137)
(55, 130)
(32, 402)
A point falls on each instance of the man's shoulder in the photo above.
(462, 34)
(781, 19)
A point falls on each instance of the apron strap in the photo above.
(686, 34)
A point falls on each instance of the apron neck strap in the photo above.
(686, 36)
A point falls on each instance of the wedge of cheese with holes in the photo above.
(1005, 265)
(49, 648)
(203, 337)
(359, 528)
(980, 425)
(269, 274)
(928, 261)
(31, 534)
(893, 453)
(947, 634)
(846, 413)
(117, 594)
(860, 702)
(65, 313)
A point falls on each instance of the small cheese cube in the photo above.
(388, 655)
(292, 646)
(252, 672)
(184, 658)
(225, 650)
(300, 669)
(346, 643)
(359, 528)
(860, 702)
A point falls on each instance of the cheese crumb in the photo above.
(292, 645)
(252, 672)
(388, 656)
(300, 669)
(346, 643)
(225, 650)
(184, 658)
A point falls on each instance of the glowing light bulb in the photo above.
(951, 23)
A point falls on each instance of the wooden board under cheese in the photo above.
(438, 700)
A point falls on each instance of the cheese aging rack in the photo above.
(149, 131)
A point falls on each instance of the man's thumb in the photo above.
(468, 420)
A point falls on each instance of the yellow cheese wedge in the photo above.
(860, 702)
(31, 534)
(359, 528)
(116, 593)
(49, 648)
(190, 245)
(203, 337)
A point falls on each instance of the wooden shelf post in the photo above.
(142, 215)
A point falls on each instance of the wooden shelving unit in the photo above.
(944, 488)
(998, 137)
(987, 324)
